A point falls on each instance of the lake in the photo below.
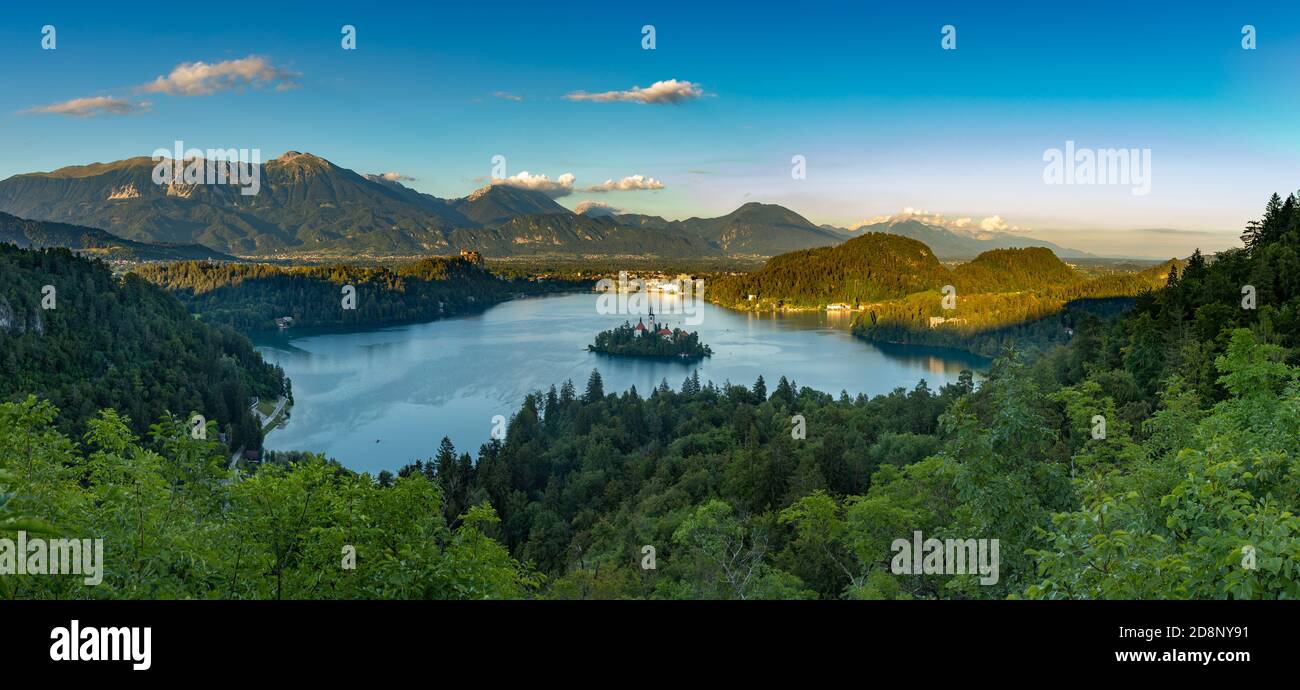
(381, 398)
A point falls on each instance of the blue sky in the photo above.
(885, 118)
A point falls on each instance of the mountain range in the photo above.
(95, 242)
(310, 207)
(752, 229)
(949, 244)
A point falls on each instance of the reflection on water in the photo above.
(378, 399)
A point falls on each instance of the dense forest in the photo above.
(251, 297)
(175, 526)
(1027, 297)
(105, 342)
(871, 267)
(1154, 455)
(1010, 303)
(984, 324)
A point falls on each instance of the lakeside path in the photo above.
(266, 421)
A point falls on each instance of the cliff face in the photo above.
(6, 316)
(13, 321)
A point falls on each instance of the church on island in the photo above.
(659, 329)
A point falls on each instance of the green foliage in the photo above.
(176, 525)
(1190, 521)
(121, 344)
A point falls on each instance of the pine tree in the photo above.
(552, 405)
(1195, 269)
(784, 391)
(446, 457)
(595, 388)
(1269, 227)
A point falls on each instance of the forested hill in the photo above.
(881, 266)
(253, 296)
(96, 242)
(124, 344)
(871, 267)
(1008, 270)
(1002, 297)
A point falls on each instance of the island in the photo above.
(655, 340)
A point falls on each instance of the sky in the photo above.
(714, 116)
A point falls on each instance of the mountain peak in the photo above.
(497, 203)
(301, 159)
(481, 192)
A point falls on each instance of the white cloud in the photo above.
(596, 209)
(202, 78)
(994, 224)
(560, 186)
(506, 95)
(627, 184)
(389, 177)
(660, 92)
(964, 226)
(92, 106)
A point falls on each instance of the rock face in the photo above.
(12, 321)
(7, 319)
(126, 191)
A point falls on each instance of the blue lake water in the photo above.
(381, 398)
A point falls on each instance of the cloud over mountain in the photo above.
(627, 184)
(564, 184)
(596, 209)
(964, 226)
(560, 186)
(995, 224)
